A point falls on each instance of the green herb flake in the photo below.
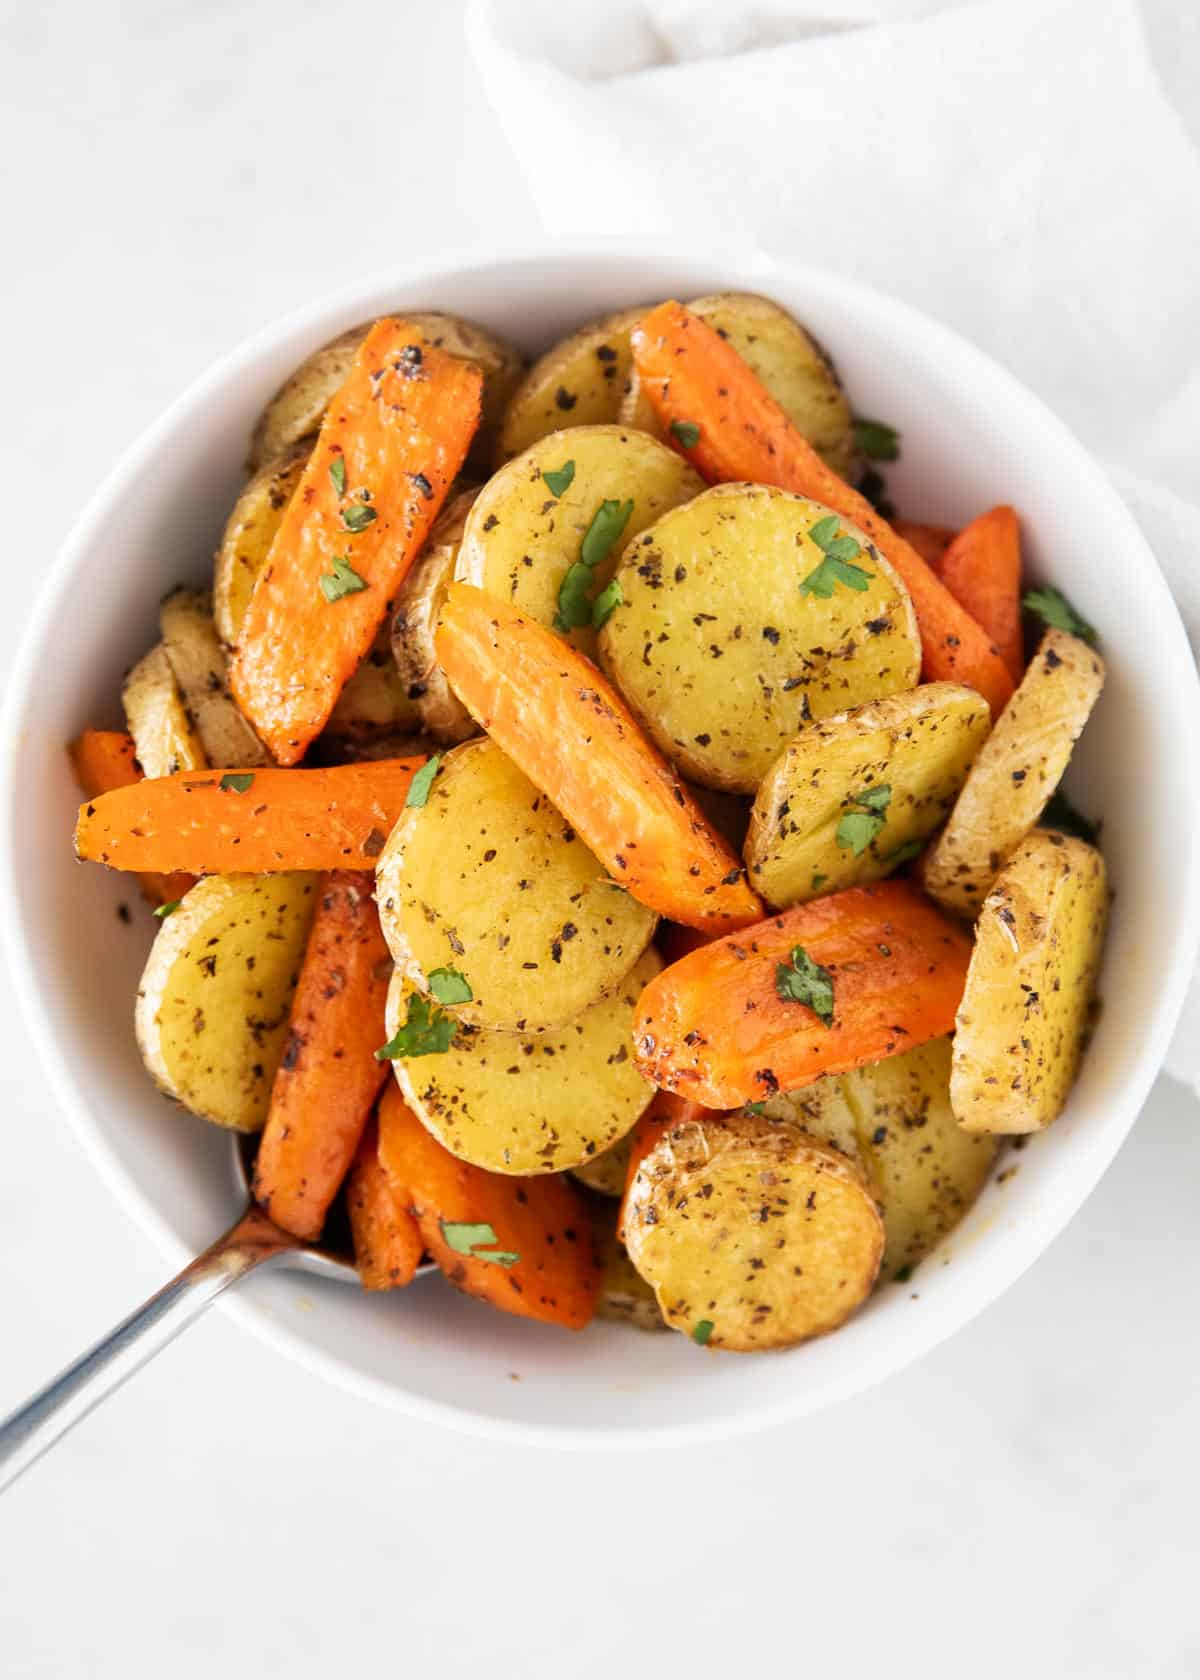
(575, 604)
(903, 1275)
(337, 474)
(836, 567)
(687, 432)
(702, 1332)
(425, 1031)
(164, 910)
(904, 854)
(877, 440)
(358, 517)
(239, 781)
(606, 603)
(477, 1242)
(559, 479)
(418, 788)
(818, 881)
(342, 580)
(449, 985)
(864, 819)
(1063, 818)
(804, 981)
(754, 1108)
(1053, 608)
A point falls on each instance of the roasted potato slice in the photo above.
(789, 362)
(165, 736)
(249, 533)
(212, 1008)
(722, 652)
(415, 620)
(605, 1172)
(530, 1104)
(852, 796)
(625, 1297)
(298, 407)
(752, 1234)
(521, 538)
(201, 670)
(1015, 772)
(1024, 1015)
(579, 382)
(488, 879)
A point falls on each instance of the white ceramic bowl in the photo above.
(972, 437)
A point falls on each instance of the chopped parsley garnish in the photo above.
(818, 881)
(342, 580)
(425, 1031)
(863, 819)
(836, 567)
(805, 981)
(606, 603)
(337, 473)
(449, 985)
(877, 440)
(702, 1331)
(904, 854)
(687, 432)
(239, 781)
(477, 1242)
(168, 909)
(1053, 608)
(575, 604)
(558, 479)
(418, 788)
(754, 1108)
(1062, 816)
(358, 517)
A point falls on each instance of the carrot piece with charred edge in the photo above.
(982, 569)
(714, 1027)
(387, 1242)
(930, 541)
(694, 378)
(391, 444)
(537, 1227)
(329, 1076)
(554, 714)
(258, 822)
(105, 760)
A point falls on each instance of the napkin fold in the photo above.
(1011, 167)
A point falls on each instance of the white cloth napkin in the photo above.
(1009, 166)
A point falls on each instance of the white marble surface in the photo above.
(1021, 1501)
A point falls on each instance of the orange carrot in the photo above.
(982, 569)
(694, 378)
(219, 822)
(387, 1242)
(536, 1230)
(930, 541)
(104, 760)
(729, 1024)
(557, 717)
(329, 1077)
(392, 441)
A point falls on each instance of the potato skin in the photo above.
(488, 878)
(753, 1229)
(606, 1172)
(1016, 771)
(919, 745)
(625, 1297)
(1024, 1014)
(212, 1008)
(248, 536)
(578, 382)
(520, 539)
(202, 672)
(787, 359)
(523, 1104)
(719, 652)
(164, 733)
(418, 604)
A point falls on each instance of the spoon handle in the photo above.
(45, 1418)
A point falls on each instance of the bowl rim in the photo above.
(757, 268)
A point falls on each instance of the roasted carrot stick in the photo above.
(393, 439)
(387, 1243)
(329, 1076)
(930, 541)
(104, 760)
(695, 379)
(982, 569)
(828, 985)
(221, 822)
(524, 1244)
(557, 717)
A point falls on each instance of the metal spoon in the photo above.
(253, 1242)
